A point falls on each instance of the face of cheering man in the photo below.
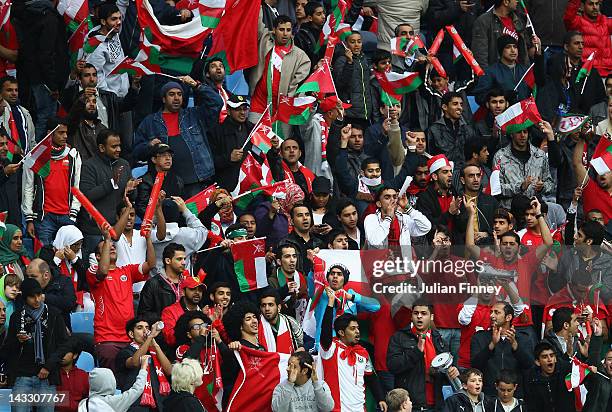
(335, 278)
(282, 33)
(421, 318)
(250, 324)
(222, 296)
(173, 100)
(350, 335)
(216, 72)
(443, 177)
(301, 219)
(288, 260)
(421, 176)
(290, 151)
(454, 109)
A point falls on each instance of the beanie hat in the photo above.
(503, 41)
(170, 85)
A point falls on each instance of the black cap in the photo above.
(160, 148)
(503, 41)
(321, 184)
(236, 101)
(30, 287)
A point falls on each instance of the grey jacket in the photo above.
(514, 172)
(487, 29)
(102, 398)
(316, 397)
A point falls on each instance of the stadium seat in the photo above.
(86, 362)
(82, 322)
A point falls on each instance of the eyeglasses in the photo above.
(199, 326)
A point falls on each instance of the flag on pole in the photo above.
(198, 202)
(519, 116)
(38, 160)
(252, 175)
(320, 81)
(74, 12)
(294, 110)
(586, 68)
(261, 137)
(529, 80)
(602, 157)
(211, 12)
(577, 375)
(131, 66)
(250, 264)
(77, 40)
(260, 372)
(92, 42)
(5, 12)
(235, 38)
(389, 99)
(572, 123)
(343, 31)
(400, 83)
(148, 52)
(399, 46)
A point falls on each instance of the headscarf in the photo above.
(67, 236)
(7, 255)
(294, 194)
(8, 304)
(226, 215)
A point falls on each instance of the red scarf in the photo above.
(429, 353)
(147, 398)
(349, 354)
(324, 136)
(394, 233)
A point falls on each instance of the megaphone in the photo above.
(441, 363)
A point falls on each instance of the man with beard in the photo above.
(420, 182)
(9, 180)
(214, 75)
(292, 285)
(164, 289)
(84, 125)
(476, 154)
(278, 332)
(48, 201)
(449, 134)
(525, 168)
(499, 348)
(598, 189)
(496, 103)
(160, 160)
(85, 84)
(437, 202)
(15, 118)
(193, 291)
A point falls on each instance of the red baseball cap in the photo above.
(331, 102)
(191, 282)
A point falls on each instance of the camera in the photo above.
(488, 272)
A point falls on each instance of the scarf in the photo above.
(225, 98)
(274, 72)
(349, 354)
(282, 342)
(294, 195)
(66, 236)
(18, 127)
(369, 186)
(429, 353)
(324, 135)
(7, 255)
(36, 316)
(147, 398)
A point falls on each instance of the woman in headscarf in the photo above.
(13, 256)
(273, 217)
(68, 258)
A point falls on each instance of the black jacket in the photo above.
(173, 186)
(96, 175)
(183, 402)
(10, 193)
(60, 295)
(495, 405)
(598, 387)
(549, 394)
(407, 363)
(460, 402)
(223, 138)
(428, 204)
(501, 357)
(155, 296)
(53, 339)
(487, 205)
(353, 85)
(442, 140)
(306, 38)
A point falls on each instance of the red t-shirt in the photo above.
(57, 187)
(114, 301)
(594, 197)
(445, 202)
(172, 123)
(481, 320)
(509, 28)
(8, 39)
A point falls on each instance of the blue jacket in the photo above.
(193, 123)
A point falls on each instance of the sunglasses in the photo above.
(199, 326)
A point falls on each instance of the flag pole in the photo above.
(584, 84)
(523, 77)
(248, 139)
(38, 144)
(332, 78)
(170, 76)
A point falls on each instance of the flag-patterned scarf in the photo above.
(147, 398)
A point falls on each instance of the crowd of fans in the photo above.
(166, 297)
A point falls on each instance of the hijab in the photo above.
(7, 255)
(67, 236)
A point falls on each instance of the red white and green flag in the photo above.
(577, 375)
(333, 24)
(519, 116)
(261, 137)
(330, 48)
(294, 110)
(92, 42)
(148, 52)
(398, 46)
(5, 12)
(198, 202)
(76, 41)
(586, 68)
(260, 372)
(602, 157)
(456, 54)
(389, 99)
(38, 160)
(320, 81)
(252, 175)
(235, 38)
(250, 264)
(135, 68)
(400, 83)
(494, 187)
(343, 31)
(529, 80)
(572, 123)
(180, 45)
(73, 11)
(211, 12)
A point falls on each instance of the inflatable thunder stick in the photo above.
(91, 209)
(147, 219)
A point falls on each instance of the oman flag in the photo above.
(259, 374)
(577, 375)
(602, 157)
(586, 68)
(92, 42)
(39, 158)
(250, 264)
(494, 187)
(211, 12)
(320, 81)
(77, 40)
(133, 67)
(529, 79)
(252, 176)
(235, 38)
(261, 137)
(400, 83)
(519, 116)
(294, 110)
(198, 202)
(74, 12)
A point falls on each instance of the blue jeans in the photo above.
(46, 108)
(32, 385)
(451, 338)
(47, 228)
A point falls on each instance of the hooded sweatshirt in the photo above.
(288, 397)
(102, 398)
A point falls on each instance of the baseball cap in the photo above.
(191, 282)
(236, 101)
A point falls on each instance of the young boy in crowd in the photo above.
(505, 384)
(73, 381)
(470, 398)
